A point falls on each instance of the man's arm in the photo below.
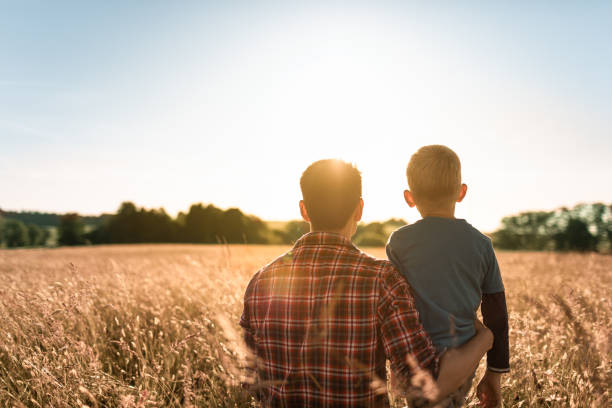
(248, 336)
(404, 336)
(401, 331)
(456, 365)
(245, 323)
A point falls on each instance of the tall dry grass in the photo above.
(156, 326)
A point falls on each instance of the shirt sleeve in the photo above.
(248, 332)
(495, 316)
(401, 331)
(391, 254)
(492, 279)
(249, 338)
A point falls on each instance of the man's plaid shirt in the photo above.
(322, 320)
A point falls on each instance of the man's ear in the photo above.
(358, 211)
(304, 212)
(409, 199)
(462, 192)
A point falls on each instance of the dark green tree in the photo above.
(234, 226)
(598, 217)
(34, 217)
(1, 231)
(585, 227)
(528, 230)
(256, 231)
(136, 225)
(123, 227)
(576, 237)
(71, 230)
(36, 235)
(46, 234)
(15, 233)
(203, 224)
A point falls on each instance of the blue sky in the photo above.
(171, 103)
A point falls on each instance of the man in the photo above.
(322, 319)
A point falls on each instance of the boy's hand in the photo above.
(489, 390)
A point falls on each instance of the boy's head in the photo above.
(331, 191)
(434, 179)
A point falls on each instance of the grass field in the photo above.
(156, 326)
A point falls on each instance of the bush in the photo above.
(586, 227)
(71, 230)
(15, 233)
(36, 235)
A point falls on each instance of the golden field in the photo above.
(156, 326)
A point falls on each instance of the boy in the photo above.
(451, 267)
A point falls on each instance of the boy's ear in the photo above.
(462, 192)
(304, 212)
(409, 199)
(359, 211)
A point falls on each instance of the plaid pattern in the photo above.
(322, 320)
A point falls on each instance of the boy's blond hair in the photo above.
(434, 176)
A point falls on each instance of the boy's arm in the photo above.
(495, 313)
(456, 365)
(495, 316)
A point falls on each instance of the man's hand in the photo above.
(458, 364)
(489, 390)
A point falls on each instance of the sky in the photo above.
(167, 104)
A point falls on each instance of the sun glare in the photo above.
(230, 107)
(324, 89)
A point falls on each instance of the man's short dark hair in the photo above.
(331, 190)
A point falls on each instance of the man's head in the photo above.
(331, 192)
(434, 179)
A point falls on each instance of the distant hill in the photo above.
(49, 219)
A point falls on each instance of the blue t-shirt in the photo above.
(449, 264)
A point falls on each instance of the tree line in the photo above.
(15, 233)
(43, 219)
(585, 227)
(202, 224)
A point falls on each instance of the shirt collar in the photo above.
(319, 238)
